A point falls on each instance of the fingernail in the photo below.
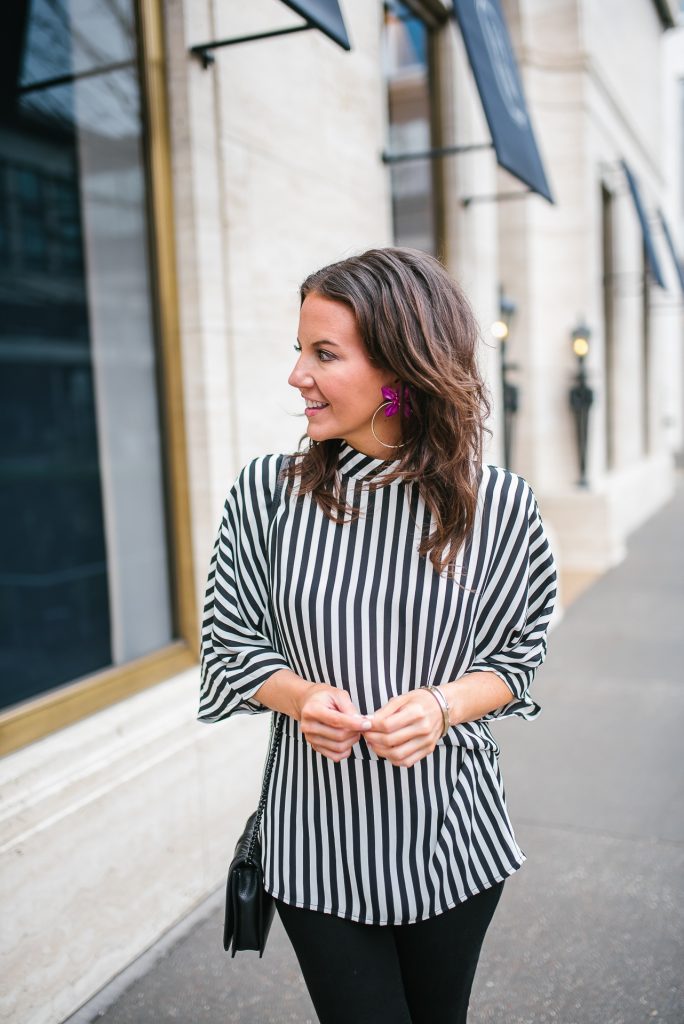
(366, 723)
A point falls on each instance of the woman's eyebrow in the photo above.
(322, 341)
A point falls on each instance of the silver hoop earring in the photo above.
(376, 436)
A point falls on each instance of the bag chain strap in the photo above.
(275, 739)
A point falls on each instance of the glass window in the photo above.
(84, 573)
(406, 67)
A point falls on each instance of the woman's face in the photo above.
(334, 373)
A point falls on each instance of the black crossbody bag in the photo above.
(249, 908)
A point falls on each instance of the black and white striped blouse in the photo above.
(355, 606)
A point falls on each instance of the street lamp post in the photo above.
(510, 392)
(581, 398)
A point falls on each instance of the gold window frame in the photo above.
(39, 716)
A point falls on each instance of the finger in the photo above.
(414, 731)
(408, 753)
(334, 739)
(390, 709)
(346, 708)
(404, 716)
(421, 731)
(335, 719)
(333, 755)
(343, 702)
(323, 731)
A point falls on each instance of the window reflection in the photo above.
(83, 561)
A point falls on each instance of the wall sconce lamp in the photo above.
(581, 336)
(507, 309)
(501, 330)
(581, 397)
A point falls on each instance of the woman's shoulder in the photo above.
(258, 478)
(500, 486)
(264, 463)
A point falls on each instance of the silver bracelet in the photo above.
(443, 703)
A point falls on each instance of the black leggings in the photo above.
(419, 973)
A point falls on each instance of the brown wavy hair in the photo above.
(416, 321)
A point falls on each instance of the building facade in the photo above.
(157, 219)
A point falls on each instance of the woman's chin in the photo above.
(320, 433)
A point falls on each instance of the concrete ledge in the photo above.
(112, 831)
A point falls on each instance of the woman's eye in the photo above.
(323, 355)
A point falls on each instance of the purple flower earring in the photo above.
(392, 403)
(391, 407)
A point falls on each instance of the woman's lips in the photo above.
(311, 410)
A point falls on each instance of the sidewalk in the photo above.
(590, 930)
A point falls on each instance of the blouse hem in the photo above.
(412, 920)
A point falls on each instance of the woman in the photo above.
(390, 599)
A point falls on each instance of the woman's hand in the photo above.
(329, 721)
(406, 728)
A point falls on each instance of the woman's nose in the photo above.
(300, 376)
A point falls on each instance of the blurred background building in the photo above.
(156, 218)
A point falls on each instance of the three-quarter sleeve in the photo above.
(517, 601)
(238, 642)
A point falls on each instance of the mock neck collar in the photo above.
(354, 464)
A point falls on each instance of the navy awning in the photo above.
(498, 82)
(679, 267)
(326, 16)
(651, 256)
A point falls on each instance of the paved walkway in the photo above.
(590, 930)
